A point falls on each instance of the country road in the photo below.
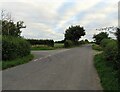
(65, 69)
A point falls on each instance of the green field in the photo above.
(45, 47)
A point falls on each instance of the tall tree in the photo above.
(9, 27)
(74, 33)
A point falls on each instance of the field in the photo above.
(45, 47)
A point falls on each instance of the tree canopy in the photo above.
(99, 37)
(9, 27)
(74, 33)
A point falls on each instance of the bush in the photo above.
(107, 74)
(110, 52)
(13, 48)
(97, 47)
(68, 43)
(104, 42)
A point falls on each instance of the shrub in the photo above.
(13, 48)
(68, 43)
(104, 42)
(97, 47)
(111, 50)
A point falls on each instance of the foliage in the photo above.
(68, 43)
(11, 29)
(17, 61)
(99, 37)
(13, 48)
(104, 42)
(110, 51)
(74, 33)
(97, 47)
(86, 41)
(41, 42)
(107, 74)
(118, 54)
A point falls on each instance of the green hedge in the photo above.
(68, 43)
(13, 48)
(41, 42)
(110, 50)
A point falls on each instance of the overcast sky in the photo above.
(48, 19)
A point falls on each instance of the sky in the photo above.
(48, 19)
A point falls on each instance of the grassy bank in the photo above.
(107, 74)
(18, 61)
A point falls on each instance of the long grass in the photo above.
(18, 61)
(97, 47)
(107, 74)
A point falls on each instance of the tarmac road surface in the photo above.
(66, 69)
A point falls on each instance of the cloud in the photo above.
(49, 19)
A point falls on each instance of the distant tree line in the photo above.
(41, 42)
(62, 41)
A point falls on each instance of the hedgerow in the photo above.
(41, 42)
(14, 47)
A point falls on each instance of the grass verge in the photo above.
(18, 61)
(96, 47)
(107, 74)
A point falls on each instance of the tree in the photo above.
(74, 33)
(86, 41)
(99, 37)
(9, 27)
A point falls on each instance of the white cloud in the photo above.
(49, 19)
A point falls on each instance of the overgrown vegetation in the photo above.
(13, 48)
(97, 47)
(107, 74)
(107, 63)
(17, 61)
